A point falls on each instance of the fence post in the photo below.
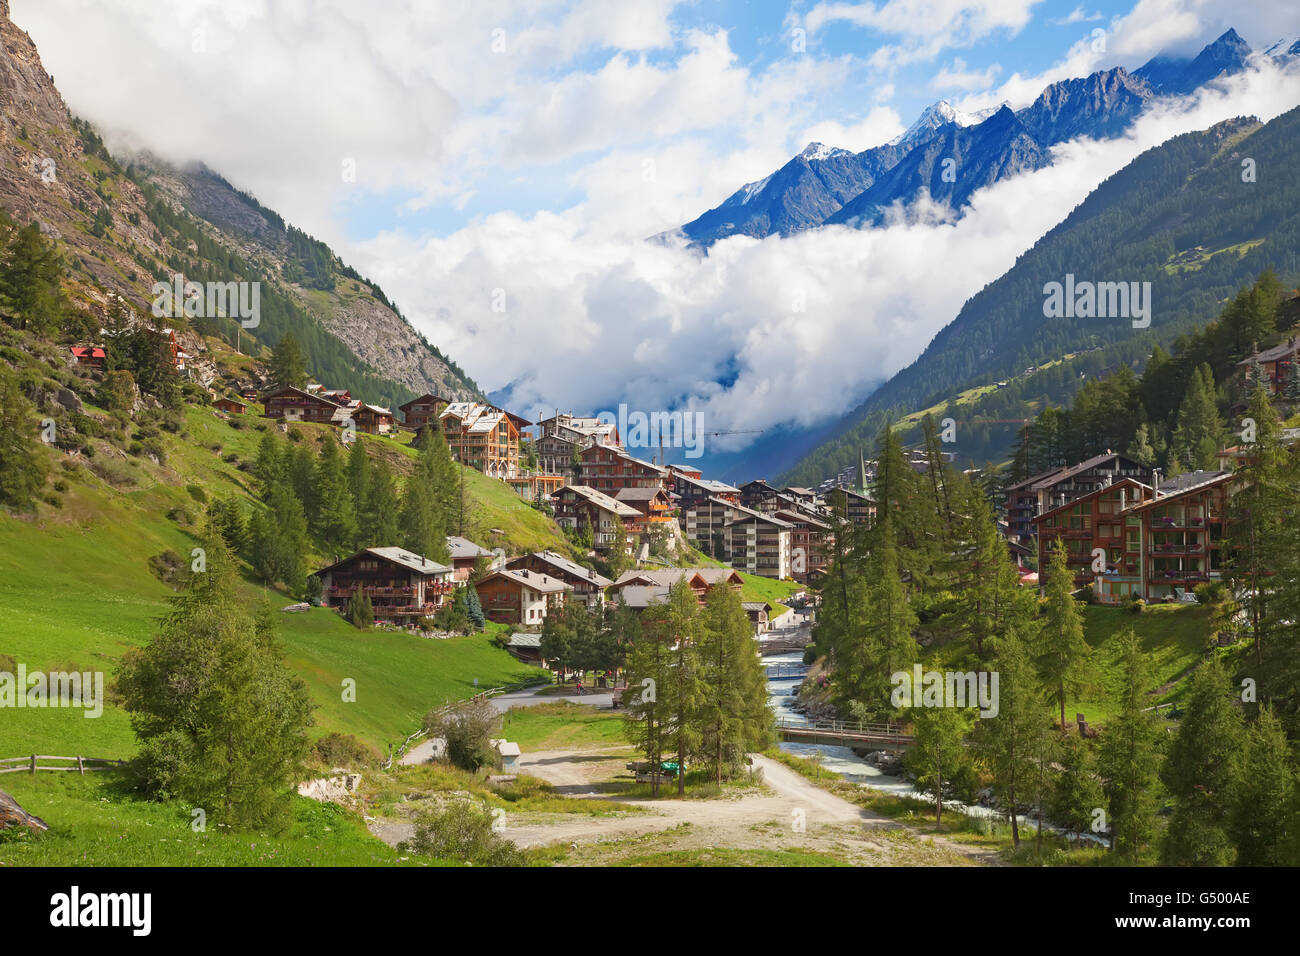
(81, 767)
(33, 763)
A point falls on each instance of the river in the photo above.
(785, 672)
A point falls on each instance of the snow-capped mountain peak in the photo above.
(937, 115)
(815, 151)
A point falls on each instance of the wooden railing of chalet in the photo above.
(80, 764)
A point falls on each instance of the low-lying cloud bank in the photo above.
(758, 333)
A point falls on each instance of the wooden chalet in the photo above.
(563, 435)
(1096, 520)
(422, 411)
(299, 405)
(231, 406)
(610, 470)
(580, 507)
(484, 437)
(588, 586)
(651, 504)
(465, 556)
(520, 597)
(700, 580)
(402, 586)
(371, 419)
(90, 356)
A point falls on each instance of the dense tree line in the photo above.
(931, 583)
(1172, 416)
(338, 502)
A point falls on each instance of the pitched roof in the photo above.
(601, 500)
(542, 583)
(407, 559)
(462, 548)
(638, 494)
(759, 516)
(1090, 495)
(305, 394)
(665, 577)
(1069, 472)
(1289, 347)
(1206, 479)
(643, 595)
(423, 398)
(568, 567)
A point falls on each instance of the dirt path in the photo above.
(787, 812)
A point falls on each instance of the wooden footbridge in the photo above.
(845, 733)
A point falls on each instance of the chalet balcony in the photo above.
(371, 591)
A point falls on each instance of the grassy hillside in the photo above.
(77, 589)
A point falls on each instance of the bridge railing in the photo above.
(846, 727)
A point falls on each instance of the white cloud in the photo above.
(592, 322)
(956, 76)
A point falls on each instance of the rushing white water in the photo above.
(851, 767)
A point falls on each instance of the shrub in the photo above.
(345, 750)
(54, 501)
(169, 568)
(463, 831)
(468, 729)
(61, 486)
(197, 493)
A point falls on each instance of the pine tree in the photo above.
(649, 669)
(22, 466)
(1129, 756)
(288, 365)
(733, 715)
(336, 521)
(938, 757)
(1264, 821)
(1201, 773)
(220, 718)
(1261, 527)
(1008, 744)
(475, 607)
(30, 272)
(683, 696)
(1199, 432)
(1077, 792)
(378, 516)
(1063, 653)
(423, 518)
(358, 470)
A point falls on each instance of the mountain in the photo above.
(1101, 106)
(949, 166)
(1179, 216)
(1174, 76)
(799, 195)
(935, 116)
(855, 187)
(125, 223)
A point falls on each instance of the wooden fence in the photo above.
(401, 750)
(80, 764)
